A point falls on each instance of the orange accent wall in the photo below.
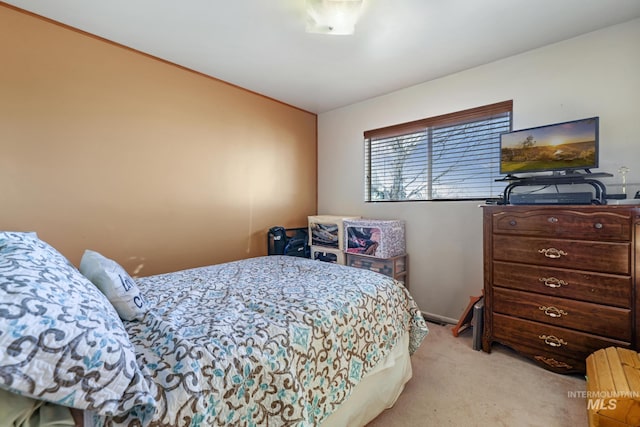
(156, 166)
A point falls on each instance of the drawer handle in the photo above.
(552, 282)
(553, 311)
(553, 341)
(552, 219)
(552, 252)
(550, 361)
(598, 225)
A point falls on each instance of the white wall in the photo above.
(597, 74)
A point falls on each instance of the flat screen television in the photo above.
(567, 146)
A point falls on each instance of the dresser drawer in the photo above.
(574, 254)
(584, 316)
(566, 223)
(559, 349)
(605, 289)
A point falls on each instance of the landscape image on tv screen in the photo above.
(563, 146)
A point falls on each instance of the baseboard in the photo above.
(435, 318)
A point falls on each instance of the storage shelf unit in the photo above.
(396, 267)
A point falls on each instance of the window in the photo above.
(450, 157)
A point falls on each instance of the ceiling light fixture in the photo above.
(337, 17)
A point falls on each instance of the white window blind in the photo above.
(451, 157)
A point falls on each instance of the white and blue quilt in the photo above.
(277, 341)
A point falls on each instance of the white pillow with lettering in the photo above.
(119, 288)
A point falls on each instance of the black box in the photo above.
(279, 243)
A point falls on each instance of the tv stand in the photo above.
(566, 179)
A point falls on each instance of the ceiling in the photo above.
(261, 45)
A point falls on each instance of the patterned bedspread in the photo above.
(277, 341)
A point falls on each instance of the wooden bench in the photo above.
(613, 388)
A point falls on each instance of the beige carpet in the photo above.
(454, 385)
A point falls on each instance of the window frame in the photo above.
(426, 124)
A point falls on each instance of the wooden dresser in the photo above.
(559, 281)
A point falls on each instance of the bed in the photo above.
(266, 341)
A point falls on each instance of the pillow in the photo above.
(60, 339)
(115, 283)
